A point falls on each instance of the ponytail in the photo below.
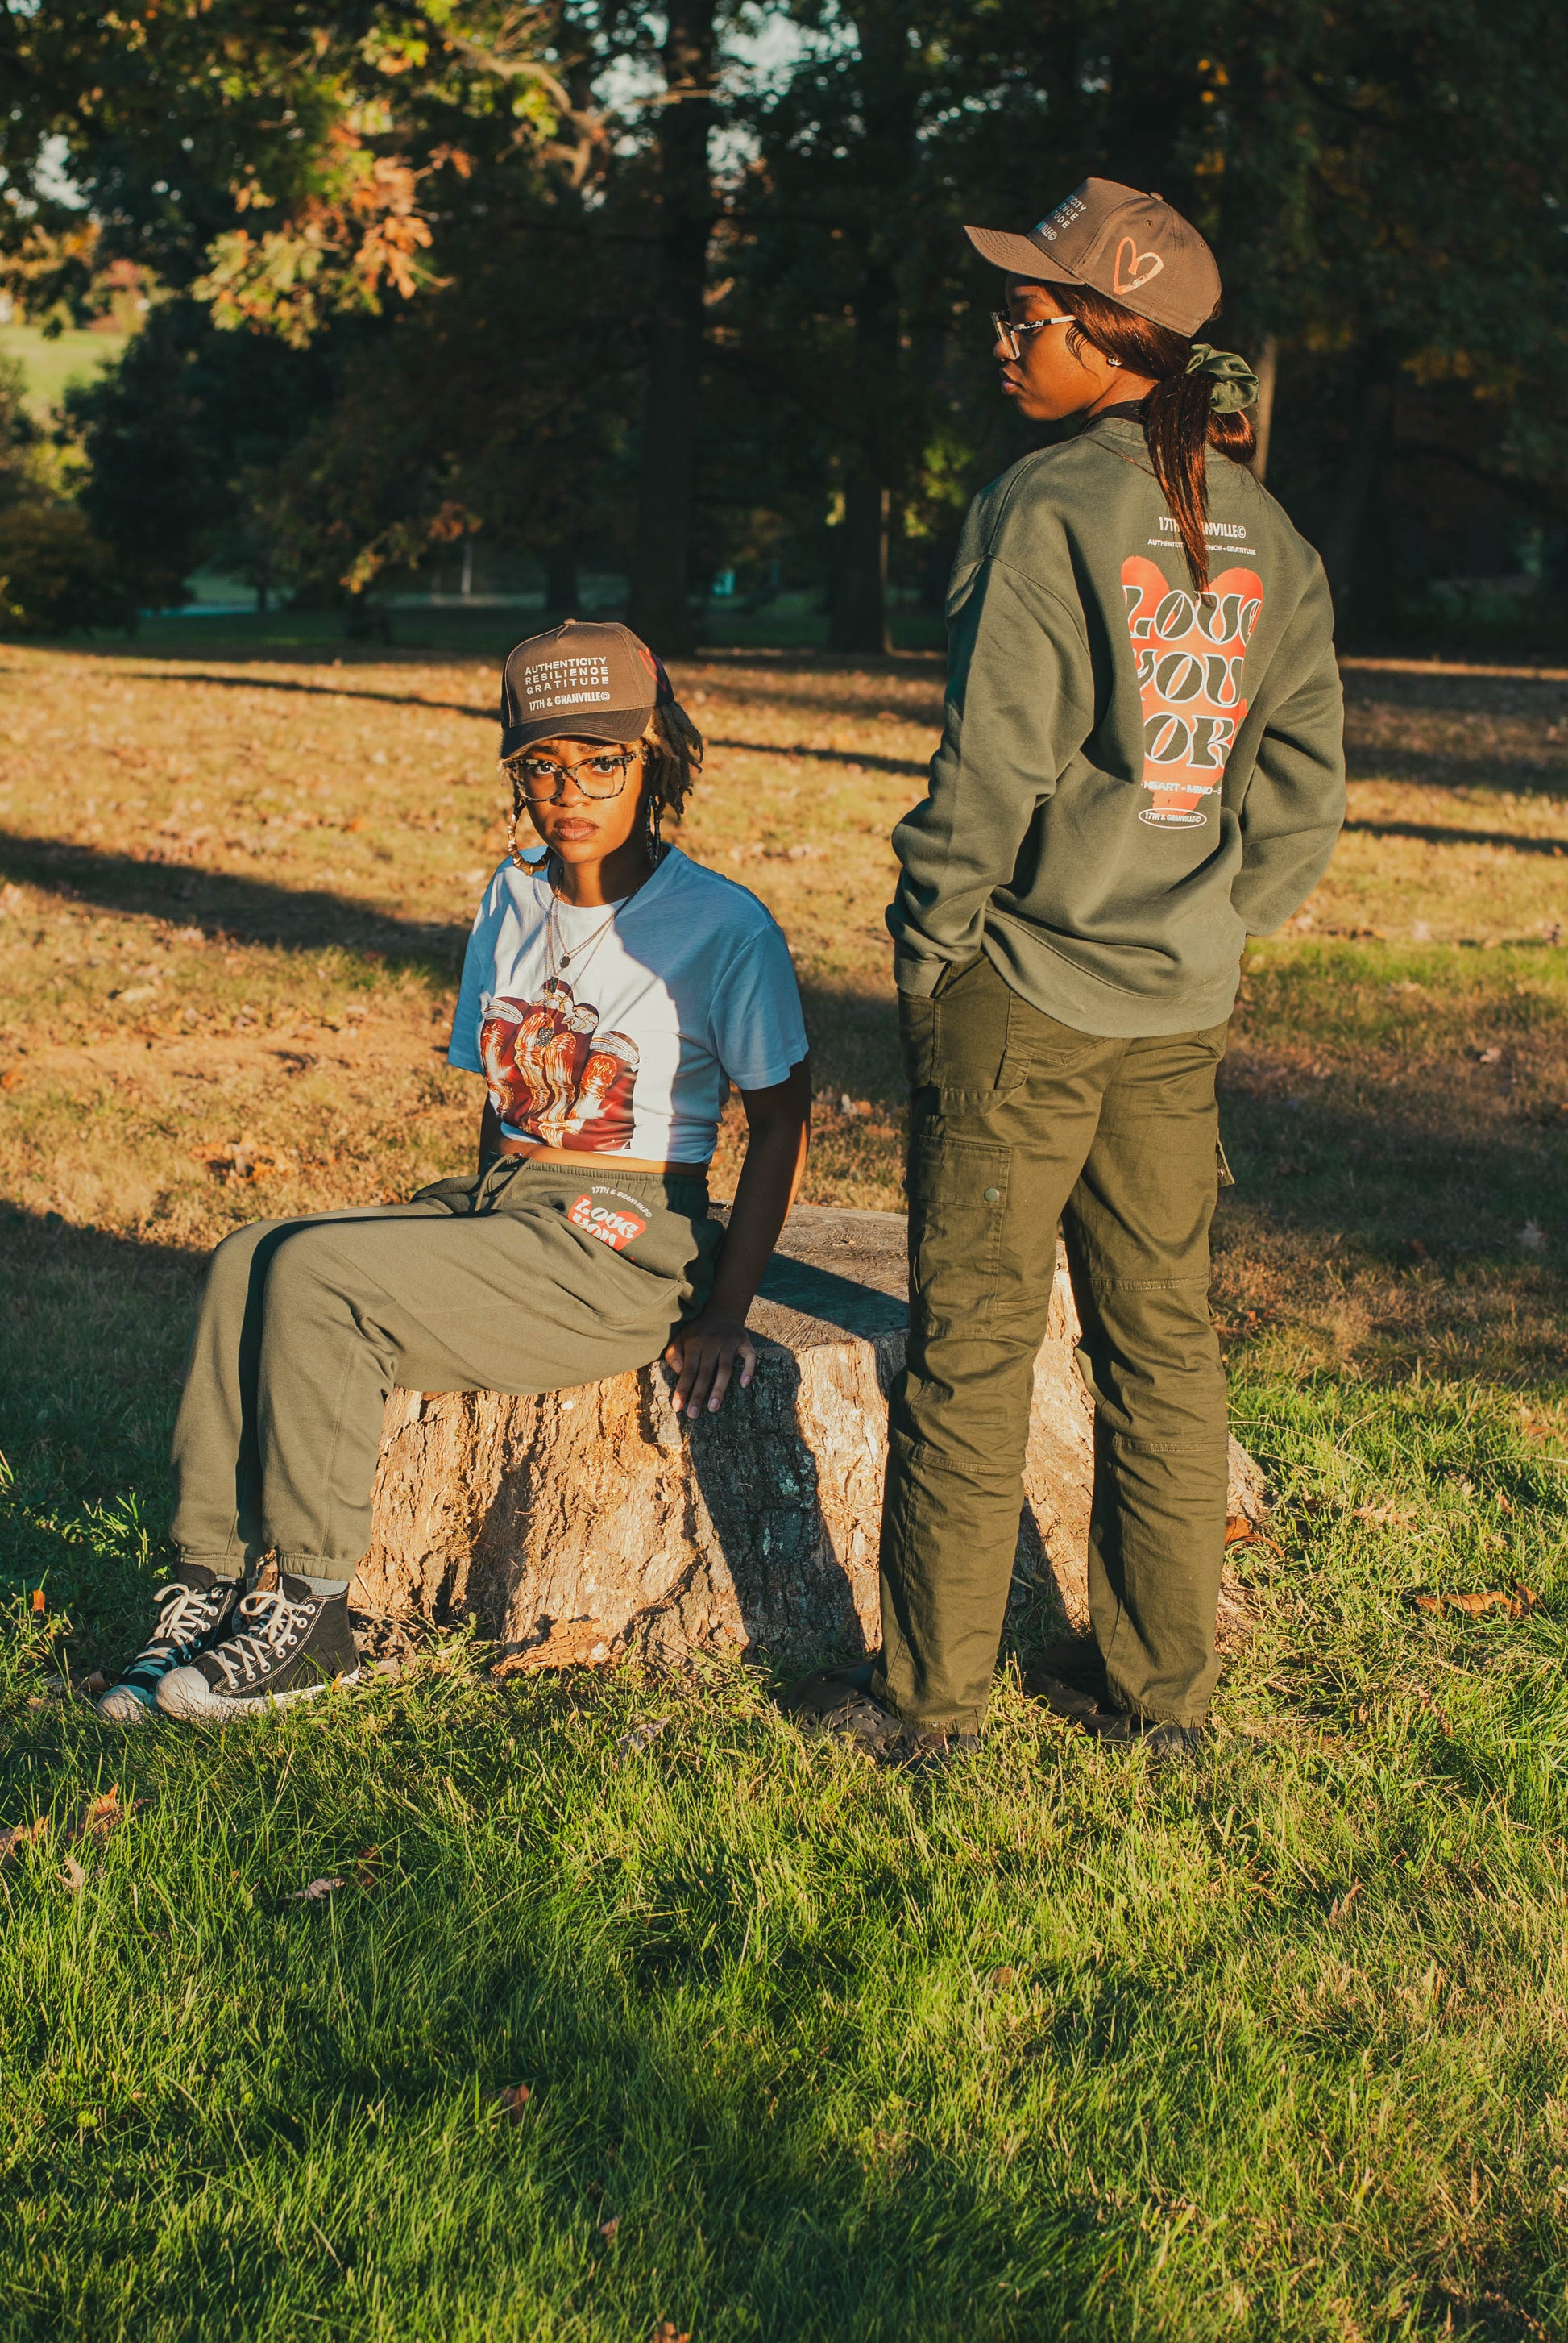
(1196, 404)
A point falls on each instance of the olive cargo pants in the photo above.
(524, 1278)
(1016, 1123)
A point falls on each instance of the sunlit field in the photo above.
(1053, 2044)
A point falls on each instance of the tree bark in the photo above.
(1361, 470)
(1263, 411)
(585, 1525)
(858, 621)
(859, 617)
(658, 606)
(561, 599)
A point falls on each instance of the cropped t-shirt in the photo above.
(619, 1031)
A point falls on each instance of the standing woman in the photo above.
(612, 991)
(1140, 766)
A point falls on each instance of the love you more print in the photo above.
(1191, 652)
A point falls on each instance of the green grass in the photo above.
(1055, 2045)
(53, 364)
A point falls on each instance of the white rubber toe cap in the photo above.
(186, 1692)
(122, 1704)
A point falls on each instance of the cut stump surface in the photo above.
(574, 1524)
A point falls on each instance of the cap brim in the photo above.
(1020, 256)
(621, 727)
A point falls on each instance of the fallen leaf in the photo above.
(38, 1604)
(21, 1835)
(99, 1817)
(632, 1744)
(607, 2228)
(12, 1076)
(579, 1644)
(512, 2101)
(365, 1864)
(1519, 1602)
(243, 1159)
(72, 1873)
(1488, 1057)
(1002, 1977)
(1240, 1531)
(317, 1893)
(667, 2332)
(1382, 1517)
(1341, 1904)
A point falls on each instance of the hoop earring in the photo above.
(515, 853)
(652, 835)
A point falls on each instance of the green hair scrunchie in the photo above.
(1232, 382)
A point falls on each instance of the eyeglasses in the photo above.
(1008, 330)
(602, 775)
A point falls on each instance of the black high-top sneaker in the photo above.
(285, 1643)
(193, 1611)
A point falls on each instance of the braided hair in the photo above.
(672, 751)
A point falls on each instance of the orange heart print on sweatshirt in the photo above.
(1191, 650)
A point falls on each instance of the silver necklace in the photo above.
(558, 961)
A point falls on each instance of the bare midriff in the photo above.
(582, 1160)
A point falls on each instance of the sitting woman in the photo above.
(612, 991)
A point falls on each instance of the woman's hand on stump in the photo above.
(703, 1355)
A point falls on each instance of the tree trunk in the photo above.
(1263, 410)
(657, 607)
(1362, 467)
(561, 600)
(859, 617)
(582, 1525)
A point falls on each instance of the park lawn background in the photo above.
(1055, 2043)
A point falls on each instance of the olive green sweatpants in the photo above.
(1017, 1124)
(525, 1278)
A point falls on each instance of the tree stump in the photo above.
(580, 1525)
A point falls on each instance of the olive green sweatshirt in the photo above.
(1131, 780)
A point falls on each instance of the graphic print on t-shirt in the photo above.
(553, 1076)
(1191, 651)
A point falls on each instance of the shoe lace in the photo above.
(277, 1625)
(185, 1614)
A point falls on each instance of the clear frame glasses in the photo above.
(602, 775)
(1010, 330)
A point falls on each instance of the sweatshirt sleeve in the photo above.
(1295, 801)
(1019, 704)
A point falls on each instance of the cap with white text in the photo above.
(579, 682)
(1131, 247)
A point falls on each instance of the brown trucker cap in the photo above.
(1129, 246)
(580, 682)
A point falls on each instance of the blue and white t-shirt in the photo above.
(623, 1035)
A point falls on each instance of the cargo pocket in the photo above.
(983, 1045)
(957, 1203)
(917, 1037)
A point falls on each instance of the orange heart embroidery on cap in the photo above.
(1144, 265)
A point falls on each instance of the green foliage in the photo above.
(455, 206)
(54, 574)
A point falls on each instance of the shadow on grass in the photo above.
(250, 911)
(326, 692)
(1432, 833)
(866, 758)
